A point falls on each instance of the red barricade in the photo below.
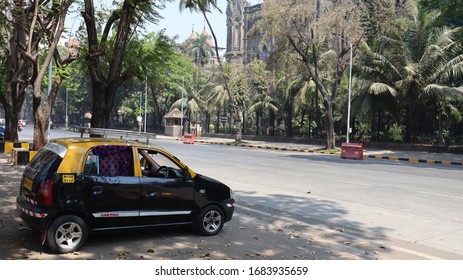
(352, 150)
(188, 139)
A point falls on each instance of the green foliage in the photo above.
(401, 67)
(199, 50)
(396, 132)
(239, 88)
(410, 74)
(450, 13)
(199, 5)
(363, 132)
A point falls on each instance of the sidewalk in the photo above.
(408, 156)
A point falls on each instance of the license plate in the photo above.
(28, 183)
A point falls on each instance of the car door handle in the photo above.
(97, 190)
(153, 194)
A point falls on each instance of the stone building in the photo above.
(242, 47)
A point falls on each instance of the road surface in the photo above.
(289, 206)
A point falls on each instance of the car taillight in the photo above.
(45, 193)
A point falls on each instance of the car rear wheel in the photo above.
(67, 234)
(210, 220)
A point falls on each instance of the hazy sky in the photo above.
(181, 23)
(174, 21)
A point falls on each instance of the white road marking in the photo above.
(293, 174)
(356, 183)
(440, 194)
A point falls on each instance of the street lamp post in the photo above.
(146, 101)
(181, 119)
(350, 92)
(66, 121)
(139, 117)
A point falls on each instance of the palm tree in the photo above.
(263, 82)
(297, 95)
(420, 68)
(195, 89)
(217, 99)
(374, 90)
(204, 7)
(262, 103)
(199, 50)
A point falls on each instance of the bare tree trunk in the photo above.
(157, 116)
(289, 120)
(330, 137)
(41, 111)
(105, 85)
(217, 129)
(440, 126)
(14, 101)
(31, 25)
(409, 124)
(18, 70)
(272, 122)
(257, 123)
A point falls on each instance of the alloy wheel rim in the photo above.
(212, 221)
(68, 235)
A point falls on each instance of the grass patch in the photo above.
(330, 151)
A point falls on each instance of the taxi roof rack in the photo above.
(123, 134)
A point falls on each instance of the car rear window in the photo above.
(44, 164)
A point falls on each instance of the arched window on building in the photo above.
(236, 34)
(264, 55)
(229, 34)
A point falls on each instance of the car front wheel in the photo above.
(210, 220)
(67, 234)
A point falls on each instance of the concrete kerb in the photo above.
(20, 151)
(416, 160)
(367, 154)
(266, 147)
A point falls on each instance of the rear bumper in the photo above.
(36, 218)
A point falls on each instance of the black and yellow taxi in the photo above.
(75, 186)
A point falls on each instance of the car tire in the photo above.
(210, 220)
(67, 234)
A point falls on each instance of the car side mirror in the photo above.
(186, 174)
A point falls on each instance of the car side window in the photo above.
(109, 160)
(156, 164)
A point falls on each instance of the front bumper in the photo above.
(229, 207)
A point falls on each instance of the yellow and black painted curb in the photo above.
(7, 146)
(412, 160)
(416, 160)
(21, 156)
(267, 147)
(20, 152)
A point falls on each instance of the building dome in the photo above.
(208, 40)
(193, 35)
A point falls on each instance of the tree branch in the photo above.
(306, 61)
(115, 15)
